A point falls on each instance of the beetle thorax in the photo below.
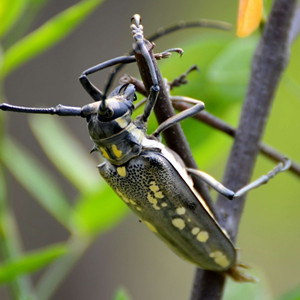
(122, 146)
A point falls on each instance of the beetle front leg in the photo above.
(140, 49)
(94, 92)
(220, 188)
(199, 105)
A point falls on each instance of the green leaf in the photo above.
(30, 262)
(98, 211)
(206, 144)
(224, 64)
(121, 294)
(65, 152)
(228, 74)
(201, 51)
(10, 11)
(294, 294)
(2, 186)
(46, 35)
(36, 180)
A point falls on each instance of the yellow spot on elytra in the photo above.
(220, 258)
(153, 187)
(164, 204)
(159, 195)
(202, 236)
(132, 202)
(116, 151)
(124, 198)
(195, 230)
(118, 192)
(153, 201)
(178, 223)
(180, 210)
(138, 208)
(121, 171)
(151, 227)
(104, 152)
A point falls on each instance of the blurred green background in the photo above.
(129, 255)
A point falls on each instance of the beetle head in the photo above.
(113, 114)
(118, 104)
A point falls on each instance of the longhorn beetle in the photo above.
(150, 178)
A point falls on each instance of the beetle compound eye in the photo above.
(128, 92)
(123, 89)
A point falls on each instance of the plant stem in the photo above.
(268, 64)
(58, 271)
(20, 288)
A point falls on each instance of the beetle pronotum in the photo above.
(150, 178)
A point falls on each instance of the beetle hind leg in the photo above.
(220, 188)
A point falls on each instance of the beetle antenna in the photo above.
(60, 110)
(103, 109)
(91, 89)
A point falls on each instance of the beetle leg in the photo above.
(220, 188)
(167, 53)
(141, 49)
(94, 92)
(180, 80)
(199, 105)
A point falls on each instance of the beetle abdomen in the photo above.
(153, 188)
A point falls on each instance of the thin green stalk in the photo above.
(58, 271)
(9, 238)
(24, 22)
